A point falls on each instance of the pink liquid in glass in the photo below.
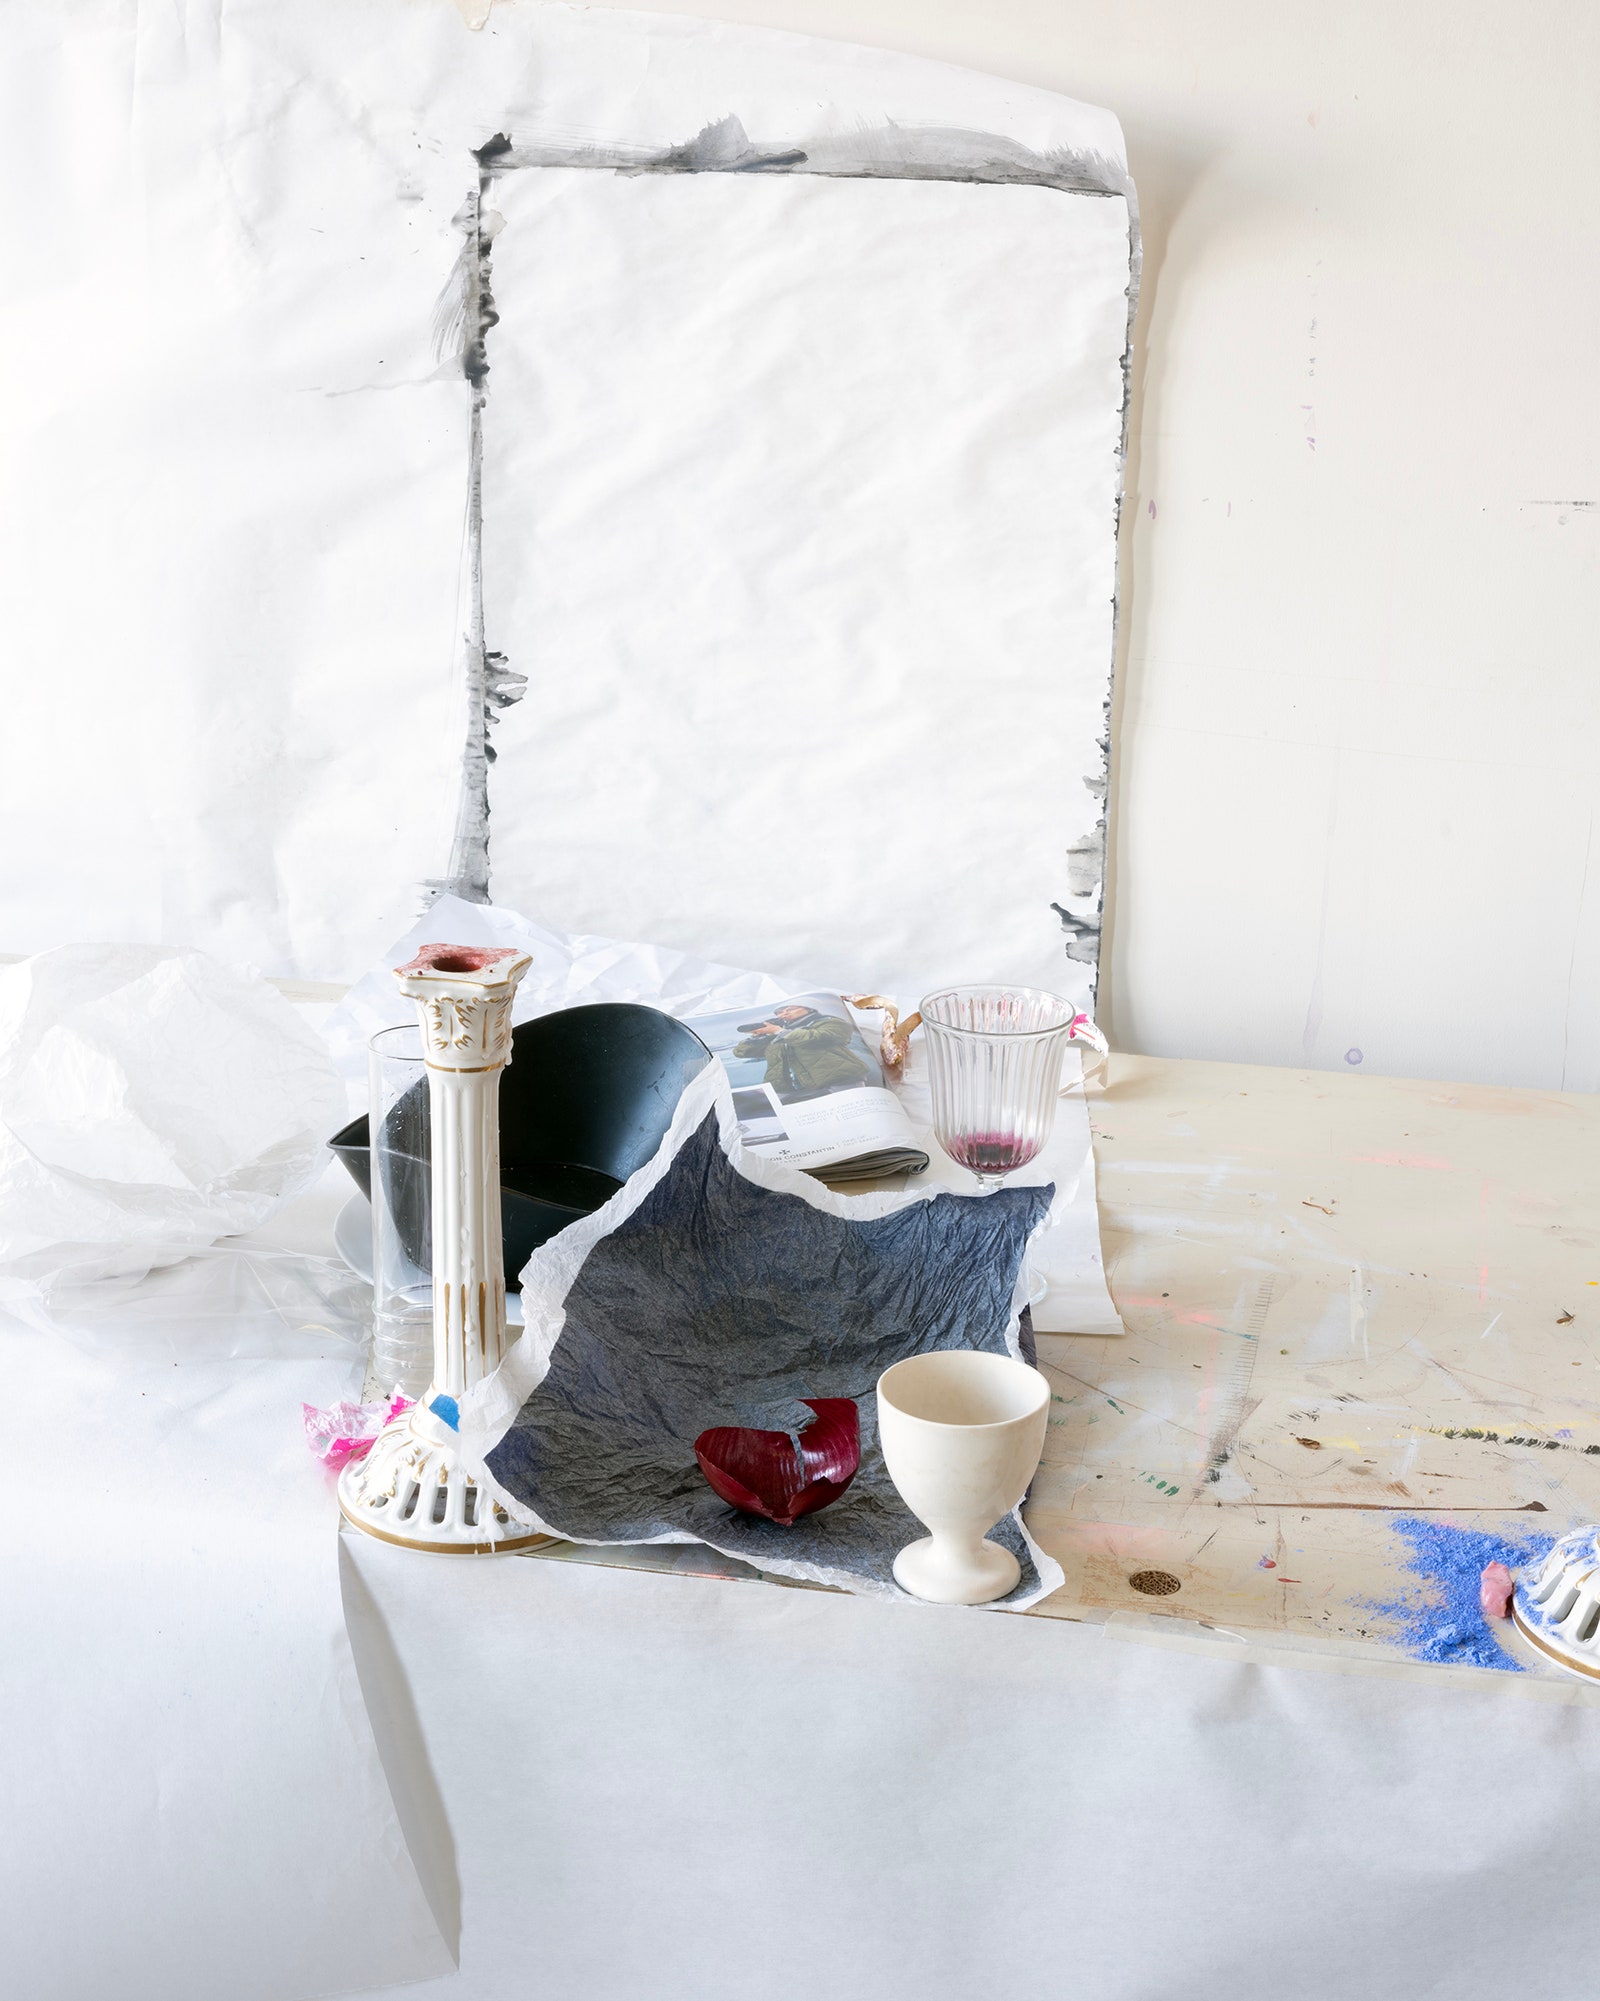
(991, 1153)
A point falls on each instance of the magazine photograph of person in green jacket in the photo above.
(808, 1087)
(806, 1053)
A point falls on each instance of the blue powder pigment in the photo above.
(1443, 1620)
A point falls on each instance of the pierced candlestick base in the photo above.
(1557, 1603)
(412, 1489)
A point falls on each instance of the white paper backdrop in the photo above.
(878, 462)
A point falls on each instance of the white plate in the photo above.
(352, 1239)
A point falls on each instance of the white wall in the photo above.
(1359, 722)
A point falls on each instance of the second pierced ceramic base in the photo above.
(950, 1573)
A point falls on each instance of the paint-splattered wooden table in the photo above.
(1349, 1300)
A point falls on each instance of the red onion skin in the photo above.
(760, 1473)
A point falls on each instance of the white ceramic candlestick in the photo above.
(412, 1488)
(961, 1433)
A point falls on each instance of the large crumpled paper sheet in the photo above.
(720, 1288)
(195, 1807)
(151, 1101)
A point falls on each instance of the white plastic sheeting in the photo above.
(150, 1102)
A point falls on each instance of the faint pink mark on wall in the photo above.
(1152, 510)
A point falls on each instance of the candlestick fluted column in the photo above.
(412, 1488)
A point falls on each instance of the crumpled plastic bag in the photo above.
(151, 1101)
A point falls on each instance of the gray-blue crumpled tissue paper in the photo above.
(718, 1287)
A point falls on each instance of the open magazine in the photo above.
(808, 1090)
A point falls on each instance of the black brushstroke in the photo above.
(462, 321)
(502, 687)
(887, 152)
(1082, 935)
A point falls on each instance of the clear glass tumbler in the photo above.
(402, 1247)
(994, 1072)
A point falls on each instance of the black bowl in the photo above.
(585, 1101)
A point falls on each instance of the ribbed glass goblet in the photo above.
(994, 1071)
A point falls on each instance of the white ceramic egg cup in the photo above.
(961, 1434)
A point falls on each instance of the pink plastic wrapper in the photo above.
(347, 1431)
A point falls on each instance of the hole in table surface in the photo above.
(1155, 1583)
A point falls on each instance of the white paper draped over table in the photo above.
(194, 1804)
(704, 1791)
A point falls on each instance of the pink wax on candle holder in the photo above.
(457, 958)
